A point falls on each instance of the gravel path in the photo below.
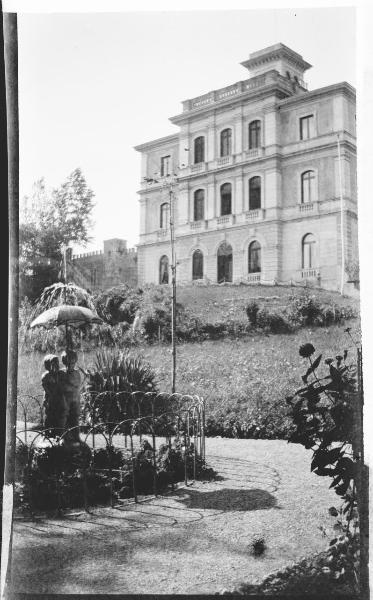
(195, 540)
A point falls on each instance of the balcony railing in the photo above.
(254, 277)
(254, 215)
(196, 224)
(162, 233)
(310, 273)
(223, 160)
(197, 167)
(224, 220)
(241, 87)
(306, 207)
(253, 153)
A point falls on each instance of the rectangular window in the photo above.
(165, 165)
(306, 127)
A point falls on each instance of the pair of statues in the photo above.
(62, 395)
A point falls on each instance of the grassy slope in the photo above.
(215, 302)
(232, 375)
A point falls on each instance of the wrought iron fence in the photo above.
(136, 437)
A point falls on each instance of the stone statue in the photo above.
(71, 386)
(54, 402)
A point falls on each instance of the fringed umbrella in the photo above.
(66, 314)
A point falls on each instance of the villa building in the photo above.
(262, 177)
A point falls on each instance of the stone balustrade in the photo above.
(253, 278)
(241, 87)
(310, 273)
(306, 207)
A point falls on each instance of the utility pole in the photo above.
(168, 184)
(342, 219)
(173, 283)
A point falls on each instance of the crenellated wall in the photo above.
(100, 270)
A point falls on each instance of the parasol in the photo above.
(66, 314)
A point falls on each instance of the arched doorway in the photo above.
(197, 265)
(225, 262)
(163, 270)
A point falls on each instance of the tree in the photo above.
(50, 221)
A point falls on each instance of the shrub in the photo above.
(327, 417)
(273, 322)
(119, 304)
(306, 311)
(252, 310)
(116, 375)
(157, 325)
(57, 481)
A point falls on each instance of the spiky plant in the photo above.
(122, 372)
(116, 375)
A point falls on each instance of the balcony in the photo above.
(231, 91)
(254, 215)
(253, 278)
(225, 221)
(198, 224)
(224, 161)
(307, 207)
(310, 273)
(253, 154)
(198, 167)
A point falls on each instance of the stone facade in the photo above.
(99, 270)
(256, 165)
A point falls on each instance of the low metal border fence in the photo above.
(185, 421)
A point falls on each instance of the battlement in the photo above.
(86, 254)
(123, 250)
(102, 269)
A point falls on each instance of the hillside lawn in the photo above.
(216, 302)
(232, 375)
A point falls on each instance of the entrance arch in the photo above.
(225, 262)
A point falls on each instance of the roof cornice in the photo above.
(236, 100)
(276, 52)
(169, 139)
(336, 88)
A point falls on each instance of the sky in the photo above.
(94, 85)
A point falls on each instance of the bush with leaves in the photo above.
(252, 309)
(119, 304)
(325, 412)
(303, 310)
(115, 376)
(54, 479)
(273, 322)
(306, 310)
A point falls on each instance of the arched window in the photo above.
(255, 260)
(93, 276)
(199, 150)
(225, 262)
(197, 264)
(163, 270)
(226, 199)
(308, 182)
(254, 135)
(199, 205)
(226, 142)
(165, 215)
(308, 251)
(254, 193)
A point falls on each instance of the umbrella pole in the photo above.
(67, 337)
